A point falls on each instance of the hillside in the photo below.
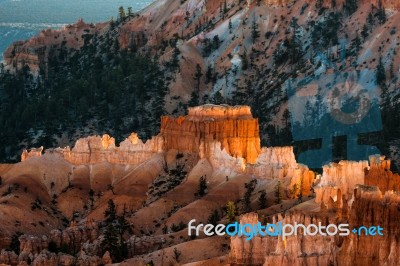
(118, 77)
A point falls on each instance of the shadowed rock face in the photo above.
(234, 127)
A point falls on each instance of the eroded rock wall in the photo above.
(232, 126)
(367, 210)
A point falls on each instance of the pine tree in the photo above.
(278, 193)
(214, 218)
(247, 195)
(245, 61)
(110, 213)
(365, 32)
(231, 211)
(111, 243)
(356, 45)
(202, 186)
(121, 12)
(130, 13)
(381, 12)
(380, 73)
(255, 33)
(225, 7)
(197, 76)
(262, 200)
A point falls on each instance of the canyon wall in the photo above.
(349, 250)
(35, 51)
(339, 180)
(96, 149)
(234, 127)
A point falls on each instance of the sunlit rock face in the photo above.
(370, 208)
(380, 175)
(34, 152)
(232, 126)
(340, 179)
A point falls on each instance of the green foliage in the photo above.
(231, 211)
(214, 218)
(110, 213)
(121, 13)
(325, 32)
(247, 195)
(114, 91)
(15, 244)
(350, 6)
(380, 73)
(262, 200)
(278, 193)
(112, 244)
(117, 226)
(255, 33)
(197, 76)
(202, 186)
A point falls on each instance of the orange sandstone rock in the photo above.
(233, 126)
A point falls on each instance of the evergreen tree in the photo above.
(247, 196)
(365, 32)
(197, 76)
(225, 7)
(111, 243)
(194, 99)
(214, 218)
(380, 73)
(245, 62)
(255, 33)
(231, 211)
(350, 6)
(262, 200)
(110, 213)
(278, 193)
(216, 42)
(121, 13)
(130, 13)
(356, 45)
(381, 13)
(202, 186)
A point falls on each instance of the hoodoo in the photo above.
(233, 126)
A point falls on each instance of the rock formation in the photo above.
(233, 127)
(366, 210)
(340, 179)
(31, 153)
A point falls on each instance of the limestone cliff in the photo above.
(349, 250)
(340, 179)
(233, 127)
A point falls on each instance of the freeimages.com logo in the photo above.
(280, 229)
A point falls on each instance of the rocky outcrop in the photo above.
(232, 126)
(92, 150)
(34, 152)
(96, 149)
(339, 179)
(379, 175)
(35, 51)
(349, 250)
